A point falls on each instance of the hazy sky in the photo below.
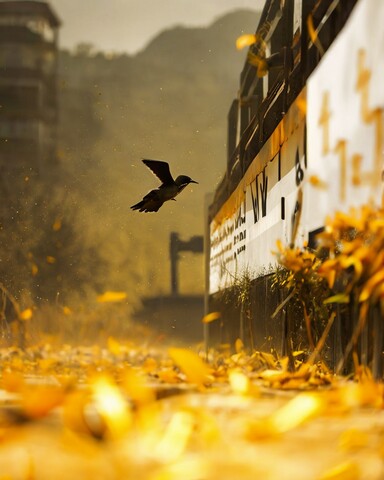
(128, 25)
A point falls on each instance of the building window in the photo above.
(19, 129)
(35, 24)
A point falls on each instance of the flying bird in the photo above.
(168, 189)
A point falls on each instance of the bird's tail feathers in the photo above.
(138, 206)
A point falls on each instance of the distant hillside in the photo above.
(168, 102)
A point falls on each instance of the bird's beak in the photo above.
(193, 181)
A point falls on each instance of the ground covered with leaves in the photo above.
(129, 412)
(126, 410)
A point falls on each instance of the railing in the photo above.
(328, 16)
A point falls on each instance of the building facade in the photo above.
(305, 141)
(28, 87)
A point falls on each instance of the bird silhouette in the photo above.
(168, 189)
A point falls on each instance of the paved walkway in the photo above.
(129, 414)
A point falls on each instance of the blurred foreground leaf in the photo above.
(191, 365)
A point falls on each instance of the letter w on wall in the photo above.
(259, 190)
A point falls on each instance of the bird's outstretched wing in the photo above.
(160, 169)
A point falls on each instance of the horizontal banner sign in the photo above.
(311, 166)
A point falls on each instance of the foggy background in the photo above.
(127, 26)
(127, 90)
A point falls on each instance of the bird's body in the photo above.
(168, 189)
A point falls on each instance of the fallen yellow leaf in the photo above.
(12, 381)
(297, 411)
(38, 400)
(168, 375)
(113, 346)
(176, 436)
(191, 365)
(111, 405)
(353, 439)
(136, 387)
(239, 382)
(344, 471)
(74, 414)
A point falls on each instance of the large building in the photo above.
(28, 87)
(305, 141)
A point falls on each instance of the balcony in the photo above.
(23, 34)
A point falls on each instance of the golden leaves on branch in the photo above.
(356, 244)
(305, 289)
(297, 260)
(352, 270)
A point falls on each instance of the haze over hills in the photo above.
(168, 102)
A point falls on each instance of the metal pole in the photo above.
(173, 252)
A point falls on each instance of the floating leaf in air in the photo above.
(110, 296)
(313, 35)
(211, 317)
(26, 314)
(317, 182)
(56, 225)
(245, 41)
